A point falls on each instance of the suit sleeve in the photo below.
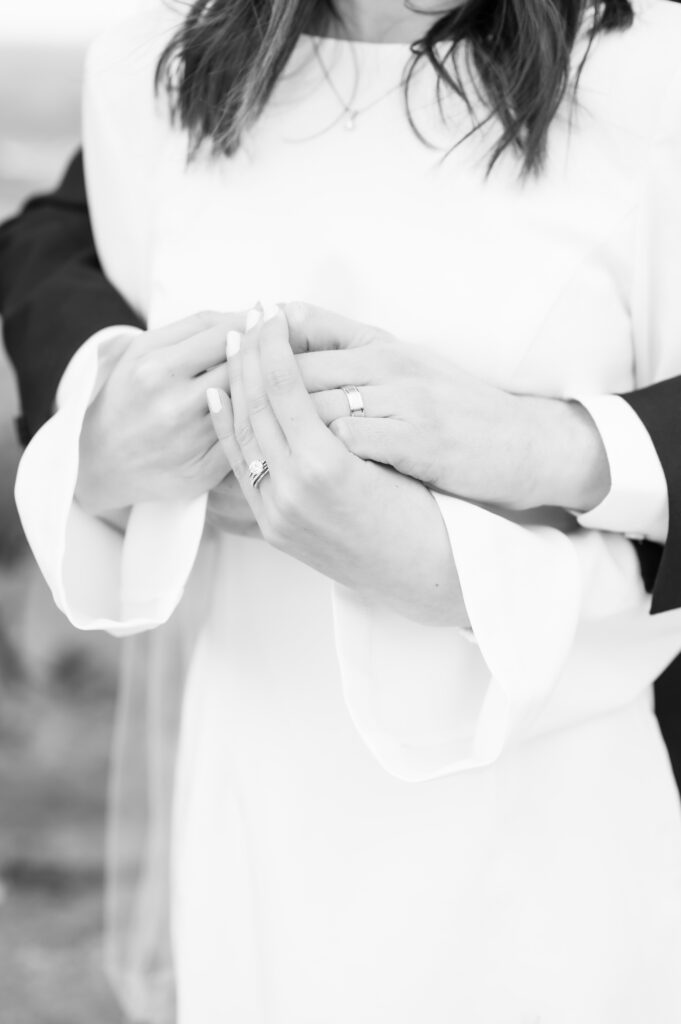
(659, 408)
(53, 293)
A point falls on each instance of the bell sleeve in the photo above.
(545, 609)
(99, 577)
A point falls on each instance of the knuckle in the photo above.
(140, 346)
(225, 434)
(326, 407)
(313, 474)
(297, 312)
(335, 470)
(279, 379)
(136, 344)
(239, 470)
(147, 374)
(258, 402)
(168, 411)
(243, 433)
(369, 335)
(345, 431)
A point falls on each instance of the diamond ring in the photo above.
(257, 471)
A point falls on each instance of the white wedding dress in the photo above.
(378, 822)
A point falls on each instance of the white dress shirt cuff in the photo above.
(637, 504)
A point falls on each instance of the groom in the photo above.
(54, 296)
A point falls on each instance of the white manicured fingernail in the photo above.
(252, 318)
(214, 399)
(233, 343)
(269, 313)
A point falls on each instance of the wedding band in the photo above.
(257, 471)
(354, 400)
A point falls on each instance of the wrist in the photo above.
(423, 584)
(568, 463)
(93, 496)
(95, 490)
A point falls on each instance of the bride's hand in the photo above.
(147, 436)
(436, 423)
(364, 525)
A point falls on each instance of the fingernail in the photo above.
(233, 343)
(213, 396)
(252, 318)
(269, 313)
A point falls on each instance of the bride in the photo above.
(419, 776)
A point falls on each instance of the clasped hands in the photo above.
(347, 495)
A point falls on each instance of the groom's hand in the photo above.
(147, 435)
(429, 419)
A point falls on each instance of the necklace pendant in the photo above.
(350, 119)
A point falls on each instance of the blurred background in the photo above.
(57, 686)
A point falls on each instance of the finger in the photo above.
(217, 378)
(375, 440)
(287, 394)
(243, 428)
(222, 417)
(313, 329)
(171, 334)
(214, 465)
(114, 348)
(334, 405)
(201, 352)
(266, 428)
(323, 371)
(201, 433)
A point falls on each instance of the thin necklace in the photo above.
(350, 111)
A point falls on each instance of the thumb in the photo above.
(312, 329)
(374, 440)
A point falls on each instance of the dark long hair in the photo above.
(222, 65)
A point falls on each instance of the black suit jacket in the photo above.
(53, 296)
(53, 293)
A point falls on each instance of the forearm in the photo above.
(567, 463)
(413, 572)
